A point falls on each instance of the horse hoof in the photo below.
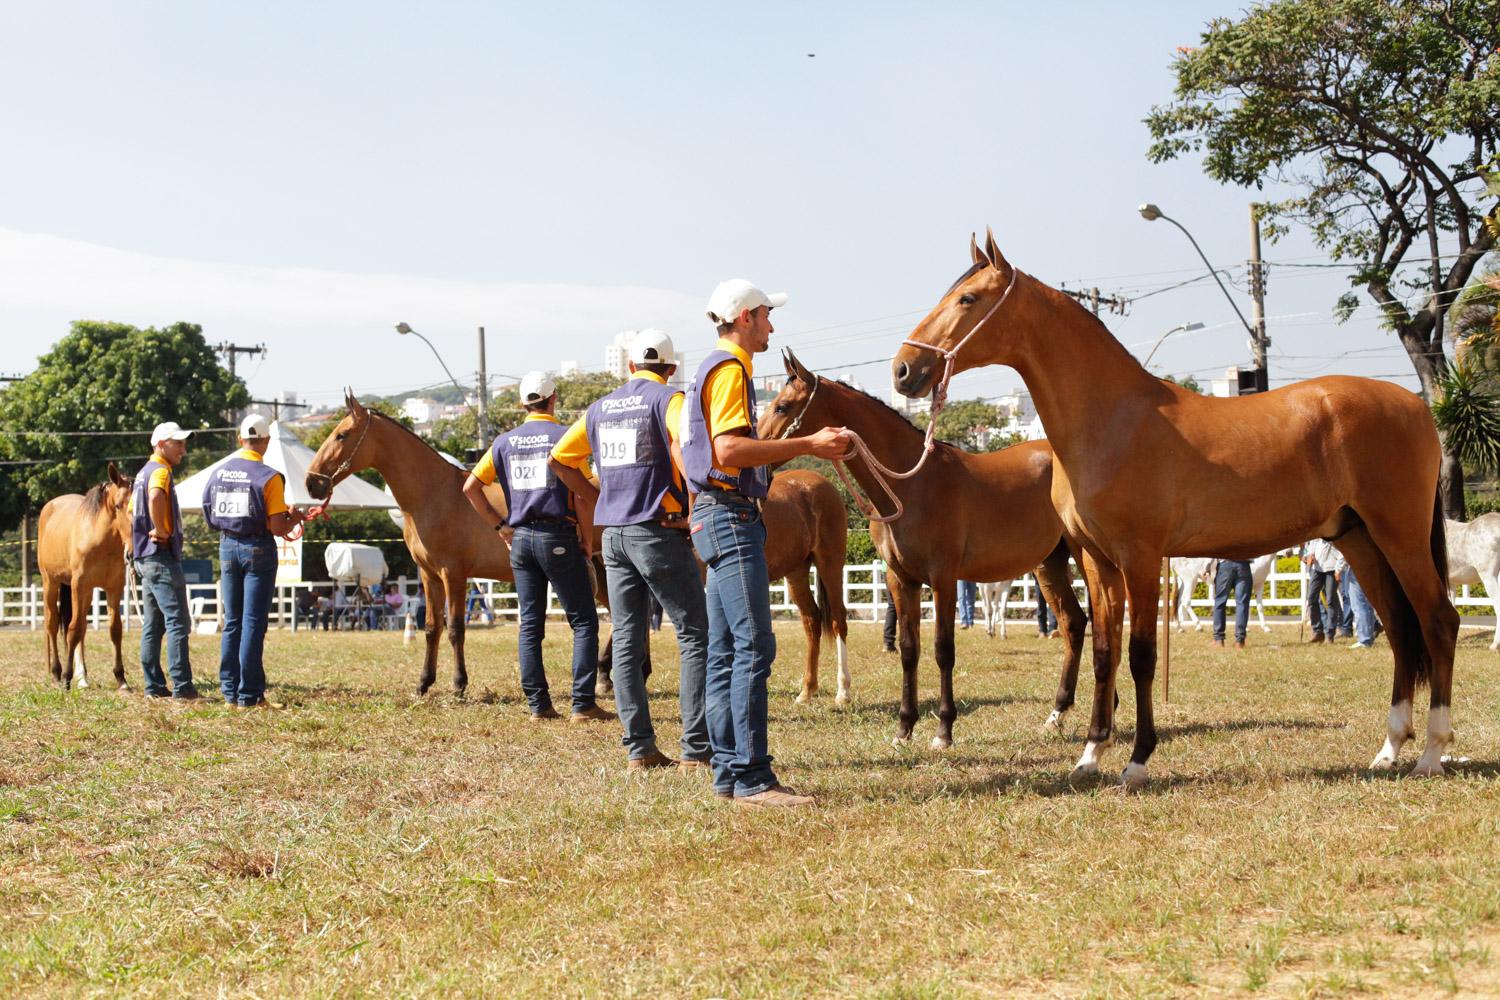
(82, 683)
(123, 687)
(938, 743)
(1053, 724)
(1134, 778)
(1428, 769)
(841, 700)
(804, 698)
(1082, 773)
(901, 742)
(1382, 762)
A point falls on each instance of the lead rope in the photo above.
(313, 513)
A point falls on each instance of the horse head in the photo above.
(116, 501)
(942, 337)
(343, 452)
(784, 417)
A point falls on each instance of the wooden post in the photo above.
(1166, 631)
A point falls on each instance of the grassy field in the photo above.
(364, 843)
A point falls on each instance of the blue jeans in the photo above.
(1046, 621)
(1364, 611)
(1325, 615)
(1346, 623)
(549, 552)
(1232, 573)
(731, 539)
(164, 610)
(968, 590)
(641, 562)
(247, 581)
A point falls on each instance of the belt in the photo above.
(539, 522)
(729, 498)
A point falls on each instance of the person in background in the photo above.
(156, 551)
(1323, 563)
(1046, 618)
(1232, 573)
(968, 591)
(245, 500)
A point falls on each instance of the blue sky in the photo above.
(307, 175)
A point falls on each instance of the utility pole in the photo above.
(1258, 339)
(484, 390)
(1093, 298)
(232, 352)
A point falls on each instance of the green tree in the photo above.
(1382, 115)
(971, 425)
(1189, 383)
(95, 397)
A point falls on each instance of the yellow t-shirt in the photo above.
(484, 469)
(726, 394)
(161, 479)
(574, 450)
(274, 491)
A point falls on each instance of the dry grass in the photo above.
(366, 843)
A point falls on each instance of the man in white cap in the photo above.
(246, 501)
(156, 550)
(727, 468)
(642, 504)
(550, 539)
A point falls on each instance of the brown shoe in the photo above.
(1239, 644)
(1315, 639)
(652, 760)
(691, 766)
(1219, 643)
(544, 715)
(591, 714)
(777, 796)
(267, 704)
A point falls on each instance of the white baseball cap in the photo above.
(652, 347)
(736, 295)
(254, 426)
(537, 387)
(168, 431)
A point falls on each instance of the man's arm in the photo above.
(282, 524)
(737, 448)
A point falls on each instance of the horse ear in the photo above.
(116, 477)
(355, 407)
(992, 251)
(786, 362)
(799, 371)
(975, 253)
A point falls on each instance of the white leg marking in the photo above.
(846, 680)
(1089, 762)
(80, 672)
(1398, 731)
(1054, 722)
(938, 743)
(803, 697)
(1135, 777)
(1260, 612)
(1439, 737)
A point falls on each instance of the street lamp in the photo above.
(1151, 213)
(1184, 328)
(404, 328)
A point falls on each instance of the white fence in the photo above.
(865, 597)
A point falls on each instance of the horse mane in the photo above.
(888, 408)
(414, 435)
(93, 500)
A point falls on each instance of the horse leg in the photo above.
(116, 636)
(907, 596)
(51, 621)
(945, 597)
(1418, 567)
(1491, 581)
(77, 626)
(987, 595)
(1057, 590)
(437, 603)
(841, 648)
(1143, 584)
(1005, 586)
(1107, 608)
(457, 590)
(807, 608)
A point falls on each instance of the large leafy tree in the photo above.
(1384, 117)
(971, 424)
(95, 397)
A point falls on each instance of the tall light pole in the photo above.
(1184, 328)
(403, 329)
(1258, 341)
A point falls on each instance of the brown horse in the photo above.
(971, 517)
(451, 544)
(806, 526)
(81, 544)
(1145, 468)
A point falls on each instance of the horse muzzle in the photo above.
(913, 370)
(318, 485)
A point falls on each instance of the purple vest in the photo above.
(632, 453)
(235, 499)
(141, 542)
(532, 489)
(698, 446)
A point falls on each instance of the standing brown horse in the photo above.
(81, 544)
(1145, 468)
(965, 516)
(805, 525)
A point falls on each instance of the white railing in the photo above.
(865, 597)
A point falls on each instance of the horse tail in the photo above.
(1439, 540)
(65, 605)
(825, 607)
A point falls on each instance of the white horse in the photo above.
(1187, 572)
(1474, 557)
(996, 596)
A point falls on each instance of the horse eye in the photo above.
(780, 407)
(966, 299)
(338, 437)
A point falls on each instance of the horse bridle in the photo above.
(950, 355)
(796, 425)
(339, 472)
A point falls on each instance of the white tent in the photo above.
(290, 457)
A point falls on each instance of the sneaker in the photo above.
(688, 766)
(776, 797)
(653, 760)
(545, 714)
(591, 714)
(1361, 645)
(191, 694)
